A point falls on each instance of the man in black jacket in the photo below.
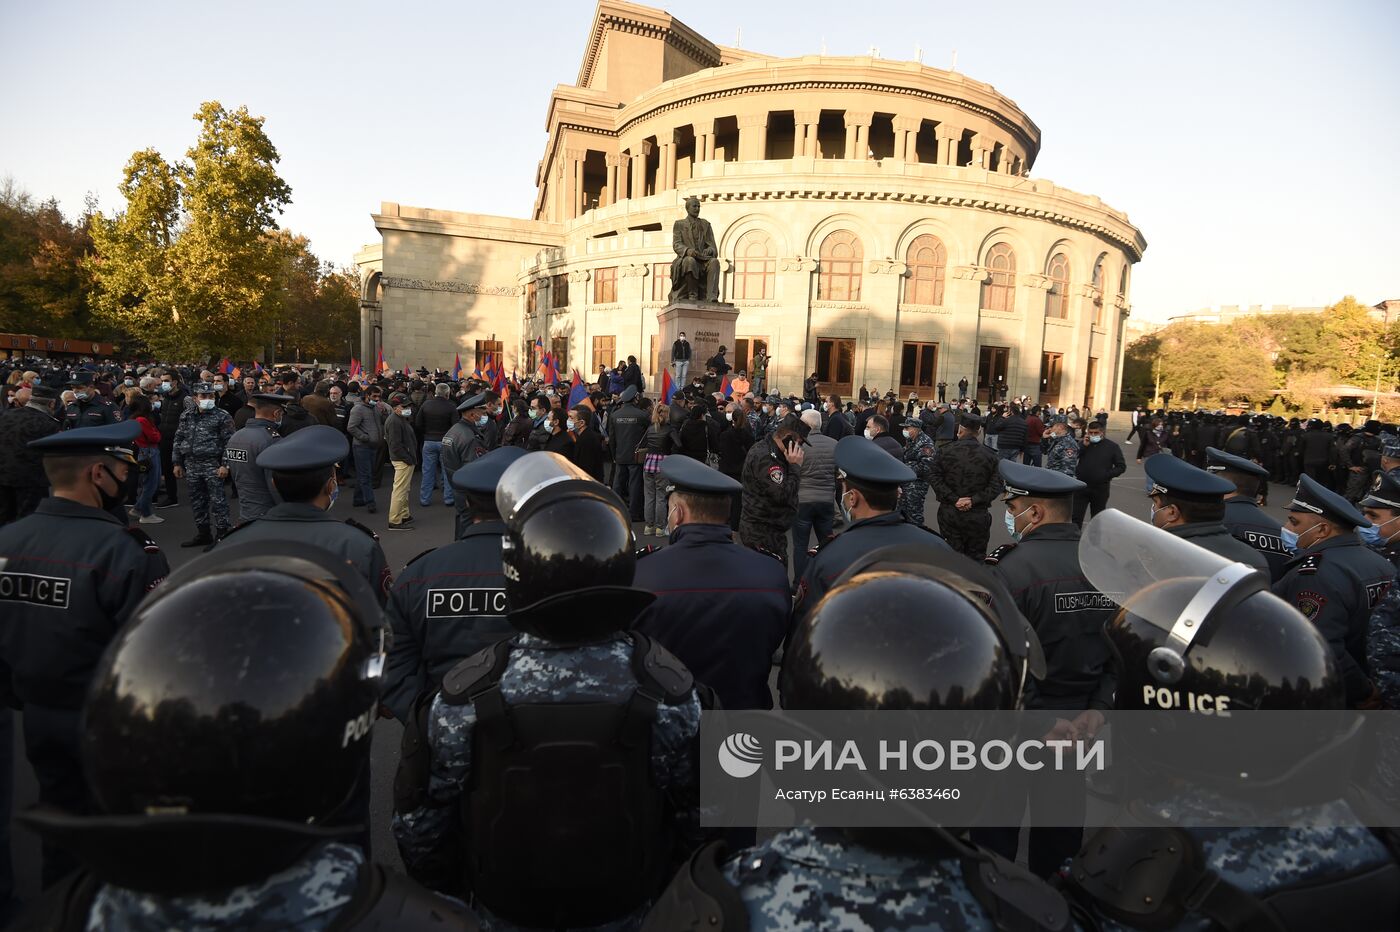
(1100, 462)
(434, 418)
(1011, 434)
(172, 396)
(632, 375)
(680, 358)
(23, 483)
(587, 452)
(626, 427)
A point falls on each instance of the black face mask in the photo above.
(123, 491)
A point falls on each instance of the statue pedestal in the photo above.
(707, 326)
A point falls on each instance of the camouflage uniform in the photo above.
(1383, 649)
(966, 468)
(541, 671)
(1062, 455)
(770, 499)
(819, 879)
(919, 454)
(306, 896)
(199, 449)
(1260, 861)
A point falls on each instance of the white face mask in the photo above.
(908, 435)
(406, 412)
(869, 434)
(206, 404)
(570, 424)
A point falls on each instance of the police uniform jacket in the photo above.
(94, 412)
(304, 522)
(864, 536)
(70, 576)
(1250, 524)
(460, 446)
(1337, 584)
(1218, 540)
(626, 427)
(202, 435)
(965, 468)
(254, 484)
(1043, 575)
(19, 465)
(719, 608)
(446, 605)
(770, 488)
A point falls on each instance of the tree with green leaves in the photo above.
(317, 307)
(190, 268)
(42, 287)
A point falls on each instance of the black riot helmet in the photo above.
(1198, 634)
(911, 628)
(565, 532)
(229, 720)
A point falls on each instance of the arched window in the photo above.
(1097, 280)
(1057, 298)
(1123, 280)
(927, 260)
(754, 267)
(841, 256)
(999, 293)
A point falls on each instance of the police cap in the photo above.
(913, 422)
(1384, 493)
(1174, 476)
(82, 377)
(866, 463)
(43, 391)
(116, 440)
(1219, 460)
(1313, 498)
(690, 475)
(314, 447)
(1036, 482)
(628, 394)
(269, 398)
(475, 401)
(204, 388)
(1390, 446)
(483, 474)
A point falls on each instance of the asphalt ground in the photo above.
(434, 527)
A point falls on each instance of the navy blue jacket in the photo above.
(862, 537)
(720, 608)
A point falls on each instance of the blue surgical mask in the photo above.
(1011, 524)
(908, 435)
(155, 405)
(1095, 439)
(335, 493)
(164, 388)
(482, 420)
(1290, 537)
(570, 424)
(1370, 536)
(206, 404)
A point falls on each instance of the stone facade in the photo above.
(876, 222)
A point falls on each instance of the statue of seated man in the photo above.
(695, 270)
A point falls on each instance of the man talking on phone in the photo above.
(770, 479)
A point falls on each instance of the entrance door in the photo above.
(836, 365)
(993, 366)
(1051, 366)
(917, 364)
(1090, 377)
(745, 349)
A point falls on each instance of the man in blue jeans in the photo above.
(431, 420)
(366, 430)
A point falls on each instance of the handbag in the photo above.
(644, 447)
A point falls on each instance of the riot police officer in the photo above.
(554, 774)
(717, 608)
(1381, 506)
(1245, 650)
(1190, 503)
(450, 602)
(302, 468)
(911, 621)
(70, 575)
(1243, 518)
(1040, 567)
(869, 482)
(221, 746)
(1334, 580)
(256, 496)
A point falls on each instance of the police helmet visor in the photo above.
(1129, 560)
(530, 475)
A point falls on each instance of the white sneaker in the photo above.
(151, 519)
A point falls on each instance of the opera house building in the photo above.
(878, 223)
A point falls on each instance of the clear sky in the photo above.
(1254, 143)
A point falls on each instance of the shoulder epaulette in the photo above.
(147, 543)
(419, 557)
(996, 556)
(1310, 564)
(360, 527)
(768, 553)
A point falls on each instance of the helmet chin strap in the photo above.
(1231, 583)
